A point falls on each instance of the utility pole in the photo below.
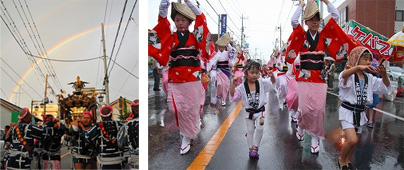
(106, 81)
(46, 100)
(280, 36)
(242, 30)
(17, 98)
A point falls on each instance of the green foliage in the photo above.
(125, 114)
(400, 82)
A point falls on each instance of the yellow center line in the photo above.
(64, 155)
(204, 157)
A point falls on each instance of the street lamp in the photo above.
(100, 98)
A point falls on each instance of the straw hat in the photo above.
(223, 40)
(181, 9)
(311, 10)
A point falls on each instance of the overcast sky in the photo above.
(57, 21)
(263, 16)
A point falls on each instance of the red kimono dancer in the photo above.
(312, 89)
(183, 49)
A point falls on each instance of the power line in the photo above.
(228, 15)
(123, 35)
(27, 51)
(5, 95)
(20, 42)
(58, 60)
(125, 70)
(20, 77)
(218, 15)
(117, 33)
(49, 66)
(15, 82)
(127, 78)
(123, 92)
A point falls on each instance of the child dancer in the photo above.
(184, 50)
(253, 96)
(356, 89)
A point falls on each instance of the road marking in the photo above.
(64, 155)
(204, 157)
(381, 111)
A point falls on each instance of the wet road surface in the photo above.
(381, 147)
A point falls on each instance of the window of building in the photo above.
(399, 15)
(343, 17)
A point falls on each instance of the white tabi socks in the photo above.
(315, 145)
(185, 145)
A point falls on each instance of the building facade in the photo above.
(6, 111)
(382, 16)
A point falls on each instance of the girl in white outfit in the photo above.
(253, 94)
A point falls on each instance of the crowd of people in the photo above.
(299, 78)
(107, 144)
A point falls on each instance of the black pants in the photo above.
(156, 76)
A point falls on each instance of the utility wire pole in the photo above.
(242, 30)
(106, 81)
(46, 100)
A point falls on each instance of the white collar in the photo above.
(313, 36)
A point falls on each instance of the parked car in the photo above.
(395, 72)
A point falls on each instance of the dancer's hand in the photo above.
(302, 3)
(367, 68)
(382, 71)
(326, 1)
(164, 4)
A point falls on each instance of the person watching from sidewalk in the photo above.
(156, 75)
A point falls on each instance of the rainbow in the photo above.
(49, 52)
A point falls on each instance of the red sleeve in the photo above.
(295, 43)
(202, 36)
(160, 41)
(338, 43)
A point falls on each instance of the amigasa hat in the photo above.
(311, 10)
(223, 40)
(182, 9)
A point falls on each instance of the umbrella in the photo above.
(329, 58)
(397, 39)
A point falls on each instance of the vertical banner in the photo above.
(223, 24)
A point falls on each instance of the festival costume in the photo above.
(310, 77)
(104, 135)
(81, 150)
(222, 61)
(254, 110)
(281, 86)
(184, 51)
(129, 136)
(357, 93)
(22, 137)
(292, 93)
(239, 69)
(51, 152)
